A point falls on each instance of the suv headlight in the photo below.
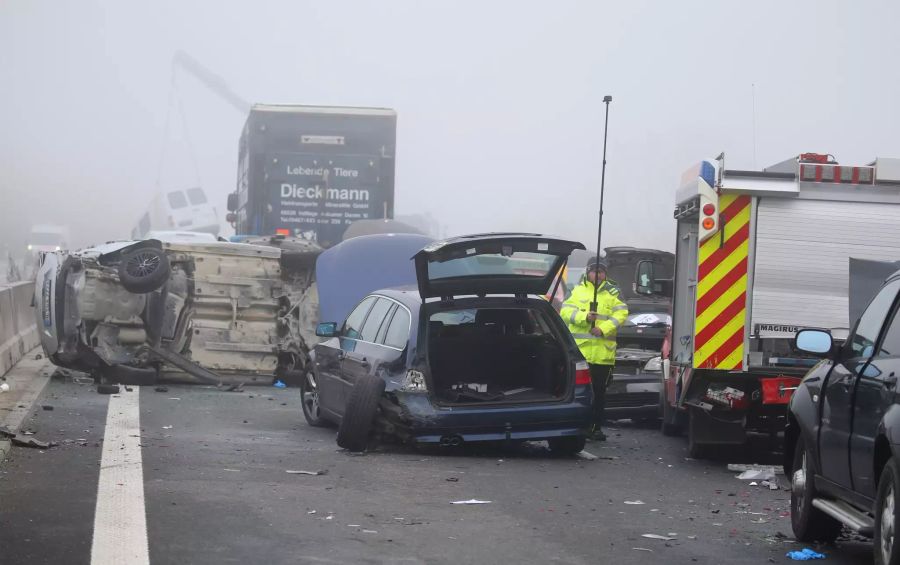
(654, 365)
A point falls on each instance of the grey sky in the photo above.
(500, 119)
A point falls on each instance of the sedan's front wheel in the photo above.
(886, 519)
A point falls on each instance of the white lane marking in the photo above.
(120, 520)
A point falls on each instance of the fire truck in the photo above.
(760, 254)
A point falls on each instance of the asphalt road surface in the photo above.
(213, 467)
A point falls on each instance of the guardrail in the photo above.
(18, 326)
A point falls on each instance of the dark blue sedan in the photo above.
(471, 351)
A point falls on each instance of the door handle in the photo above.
(890, 381)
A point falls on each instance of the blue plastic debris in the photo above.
(806, 555)
(279, 384)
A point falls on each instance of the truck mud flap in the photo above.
(185, 365)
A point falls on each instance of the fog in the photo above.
(499, 106)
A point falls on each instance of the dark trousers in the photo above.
(600, 375)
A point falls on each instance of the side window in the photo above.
(862, 343)
(354, 322)
(398, 332)
(375, 319)
(177, 200)
(890, 346)
(196, 196)
(384, 326)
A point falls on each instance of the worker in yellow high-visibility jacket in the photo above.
(595, 331)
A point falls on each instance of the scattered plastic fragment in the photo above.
(586, 455)
(353, 525)
(635, 502)
(167, 427)
(6, 432)
(472, 501)
(232, 470)
(657, 536)
(314, 473)
(161, 389)
(739, 468)
(311, 512)
(369, 532)
(804, 555)
(754, 484)
(758, 474)
(773, 485)
(31, 442)
(642, 549)
(47, 407)
(4, 387)
(279, 384)
(452, 479)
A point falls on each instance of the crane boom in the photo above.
(211, 80)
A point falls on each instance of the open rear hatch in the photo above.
(497, 351)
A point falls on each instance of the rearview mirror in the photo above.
(327, 329)
(232, 202)
(814, 342)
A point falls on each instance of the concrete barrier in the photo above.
(18, 327)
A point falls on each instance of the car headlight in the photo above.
(30, 247)
(654, 365)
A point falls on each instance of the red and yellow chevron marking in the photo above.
(722, 289)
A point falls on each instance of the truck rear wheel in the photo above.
(671, 418)
(696, 450)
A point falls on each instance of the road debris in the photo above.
(312, 512)
(48, 407)
(369, 532)
(804, 555)
(740, 468)
(472, 501)
(642, 549)
(6, 432)
(38, 357)
(586, 455)
(4, 387)
(657, 536)
(167, 427)
(31, 442)
(279, 384)
(767, 474)
(83, 380)
(161, 389)
(353, 526)
(635, 502)
(232, 470)
(773, 485)
(314, 473)
(452, 479)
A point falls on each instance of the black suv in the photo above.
(843, 434)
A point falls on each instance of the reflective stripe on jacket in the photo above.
(611, 313)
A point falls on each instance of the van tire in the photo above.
(359, 414)
(144, 270)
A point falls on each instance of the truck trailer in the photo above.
(311, 171)
(760, 254)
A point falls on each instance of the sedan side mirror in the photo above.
(327, 329)
(232, 204)
(814, 342)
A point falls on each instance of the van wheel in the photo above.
(886, 519)
(808, 522)
(359, 414)
(566, 445)
(309, 395)
(144, 270)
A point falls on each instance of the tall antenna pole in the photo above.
(753, 102)
(606, 100)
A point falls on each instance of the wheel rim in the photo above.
(141, 265)
(887, 526)
(798, 486)
(311, 396)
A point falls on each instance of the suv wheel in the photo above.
(886, 519)
(359, 414)
(309, 393)
(808, 522)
